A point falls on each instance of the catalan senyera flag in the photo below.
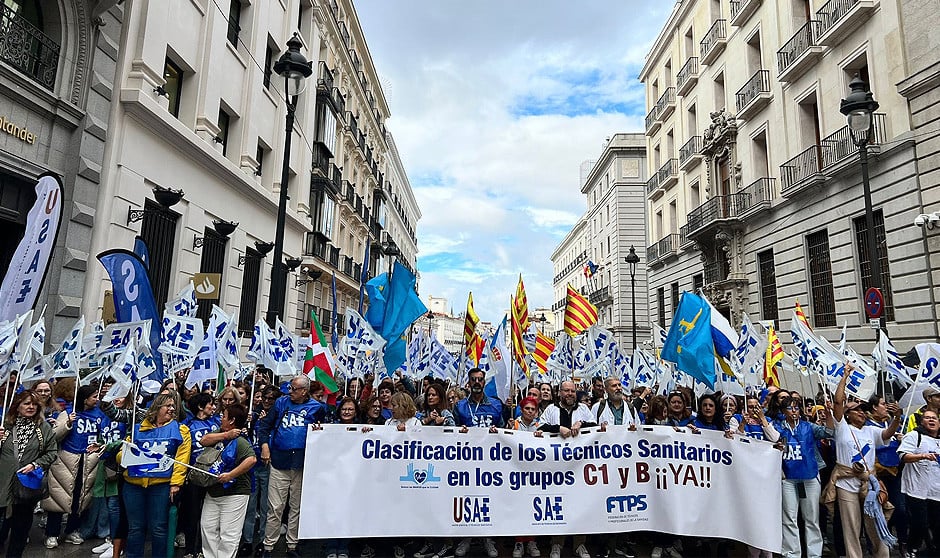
(520, 324)
(580, 314)
(774, 355)
(544, 345)
(800, 315)
(470, 323)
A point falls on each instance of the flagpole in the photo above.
(134, 410)
(910, 402)
(251, 396)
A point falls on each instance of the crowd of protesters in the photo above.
(839, 455)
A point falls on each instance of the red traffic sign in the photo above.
(874, 302)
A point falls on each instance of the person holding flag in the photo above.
(854, 474)
(201, 421)
(282, 435)
(154, 472)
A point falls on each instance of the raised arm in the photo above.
(838, 399)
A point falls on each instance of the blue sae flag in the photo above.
(140, 248)
(689, 342)
(133, 296)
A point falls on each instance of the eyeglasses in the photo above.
(476, 380)
(295, 388)
(793, 408)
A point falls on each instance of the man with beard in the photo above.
(567, 418)
(614, 411)
(480, 411)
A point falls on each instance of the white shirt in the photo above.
(409, 424)
(850, 442)
(606, 415)
(552, 415)
(920, 479)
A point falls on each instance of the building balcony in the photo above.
(714, 42)
(690, 154)
(348, 266)
(684, 240)
(652, 186)
(320, 165)
(839, 146)
(714, 272)
(601, 297)
(666, 104)
(349, 193)
(838, 18)
(339, 103)
(715, 211)
(652, 253)
(668, 174)
(756, 197)
(315, 245)
(337, 175)
(27, 48)
(324, 79)
(754, 96)
(652, 121)
(742, 10)
(352, 125)
(802, 171)
(687, 76)
(799, 53)
(667, 247)
(333, 256)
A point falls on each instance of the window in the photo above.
(820, 279)
(768, 285)
(698, 281)
(158, 231)
(173, 76)
(861, 244)
(212, 261)
(674, 288)
(720, 101)
(326, 127)
(268, 66)
(234, 21)
(224, 121)
(322, 207)
(661, 300)
(260, 154)
(248, 307)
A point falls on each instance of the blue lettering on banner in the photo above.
(24, 290)
(472, 510)
(626, 503)
(548, 508)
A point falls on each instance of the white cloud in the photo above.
(494, 106)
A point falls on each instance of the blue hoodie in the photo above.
(284, 429)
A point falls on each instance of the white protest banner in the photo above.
(512, 483)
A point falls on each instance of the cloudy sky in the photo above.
(495, 104)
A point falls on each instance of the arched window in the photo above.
(24, 43)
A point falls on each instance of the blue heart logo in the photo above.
(421, 476)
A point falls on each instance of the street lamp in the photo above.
(632, 259)
(858, 108)
(391, 250)
(294, 68)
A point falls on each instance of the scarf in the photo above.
(23, 430)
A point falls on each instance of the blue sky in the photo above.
(495, 104)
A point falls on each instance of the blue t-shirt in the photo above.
(197, 429)
(85, 430)
(703, 425)
(487, 413)
(799, 451)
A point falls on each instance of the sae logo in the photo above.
(419, 478)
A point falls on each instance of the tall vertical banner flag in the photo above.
(470, 322)
(402, 308)
(133, 295)
(29, 263)
(140, 248)
(580, 314)
(520, 324)
(689, 341)
(365, 274)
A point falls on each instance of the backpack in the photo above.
(208, 466)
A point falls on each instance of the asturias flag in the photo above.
(689, 342)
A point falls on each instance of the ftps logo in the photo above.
(422, 478)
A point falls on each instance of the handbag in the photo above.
(208, 465)
(33, 486)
